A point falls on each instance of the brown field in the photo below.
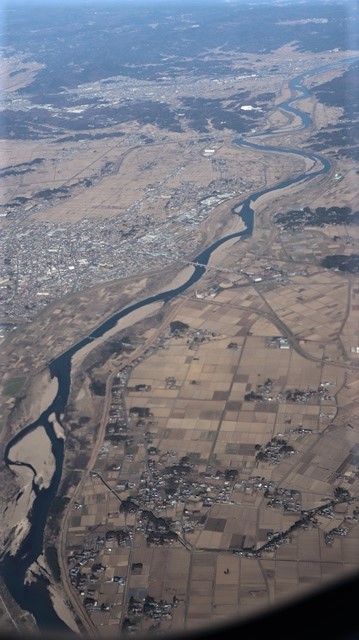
(205, 416)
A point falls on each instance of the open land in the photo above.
(211, 456)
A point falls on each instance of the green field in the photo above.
(13, 386)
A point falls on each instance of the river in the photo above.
(35, 597)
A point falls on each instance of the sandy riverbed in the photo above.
(57, 598)
(40, 568)
(34, 449)
(40, 393)
(58, 429)
(181, 277)
(219, 254)
(62, 610)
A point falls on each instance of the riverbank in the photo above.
(16, 524)
(127, 321)
(38, 570)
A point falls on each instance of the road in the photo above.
(71, 593)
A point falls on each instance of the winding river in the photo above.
(35, 597)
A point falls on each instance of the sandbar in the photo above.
(58, 429)
(39, 396)
(35, 449)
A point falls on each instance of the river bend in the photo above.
(35, 597)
